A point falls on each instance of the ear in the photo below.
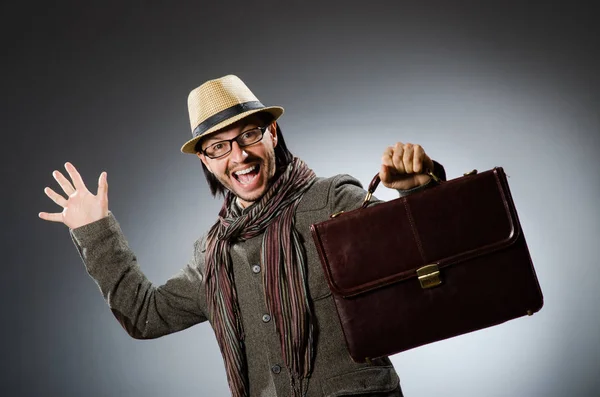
(273, 131)
(204, 160)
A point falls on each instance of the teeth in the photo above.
(247, 170)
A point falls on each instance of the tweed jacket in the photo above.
(147, 311)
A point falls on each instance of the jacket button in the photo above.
(276, 369)
(256, 269)
(266, 318)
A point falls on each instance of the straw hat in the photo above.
(219, 103)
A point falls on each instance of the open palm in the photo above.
(81, 206)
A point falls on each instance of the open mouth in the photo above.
(247, 175)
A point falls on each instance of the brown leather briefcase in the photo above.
(442, 262)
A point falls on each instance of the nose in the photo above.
(238, 154)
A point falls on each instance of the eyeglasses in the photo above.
(223, 148)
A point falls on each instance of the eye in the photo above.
(251, 134)
(217, 148)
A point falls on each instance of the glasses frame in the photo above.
(230, 142)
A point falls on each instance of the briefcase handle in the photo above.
(375, 182)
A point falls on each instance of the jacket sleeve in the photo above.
(144, 310)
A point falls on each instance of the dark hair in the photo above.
(282, 157)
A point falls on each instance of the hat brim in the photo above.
(275, 111)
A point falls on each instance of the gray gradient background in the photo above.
(477, 85)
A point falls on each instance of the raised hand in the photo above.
(81, 206)
(403, 166)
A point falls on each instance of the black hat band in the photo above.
(224, 115)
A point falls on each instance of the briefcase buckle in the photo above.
(429, 276)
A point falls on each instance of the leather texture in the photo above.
(467, 226)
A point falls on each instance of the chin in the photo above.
(251, 198)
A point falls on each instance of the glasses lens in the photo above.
(249, 137)
(218, 149)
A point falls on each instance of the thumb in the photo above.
(103, 186)
(384, 174)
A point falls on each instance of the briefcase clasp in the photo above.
(429, 276)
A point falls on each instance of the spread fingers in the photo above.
(64, 183)
(57, 198)
(75, 177)
(50, 217)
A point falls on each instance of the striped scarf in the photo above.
(284, 277)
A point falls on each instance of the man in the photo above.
(255, 275)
